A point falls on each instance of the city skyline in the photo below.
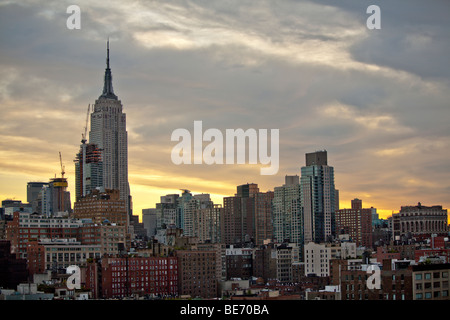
(376, 100)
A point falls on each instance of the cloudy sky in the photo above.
(377, 100)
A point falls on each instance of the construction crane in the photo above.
(62, 167)
(83, 135)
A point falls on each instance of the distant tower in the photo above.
(33, 190)
(318, 198)
(287, 212)
(108, 132)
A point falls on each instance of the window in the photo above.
(419, 296)
(427, 276)
(418, 276)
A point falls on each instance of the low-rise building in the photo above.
(125, 276)
(57, 254)
(239, 262)
(197, 275)
(430, 281)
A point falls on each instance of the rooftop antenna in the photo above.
(107, 54)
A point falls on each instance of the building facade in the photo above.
(58, 254)
(356, 222)
(317, 259)
(33, 190)
(287, 212)
(430, 282)
(420, 221)
(13, 270)
(239, 263)
(124, 276)
(28, 227)
(263, 217)
(88, 170)
(318, 198)
(100, 206)
(197, 273)
(149, 221)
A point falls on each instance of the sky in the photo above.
(376, 100)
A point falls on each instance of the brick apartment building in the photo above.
(101, 206)
(239, 262)
(118, 277)
(357, 222)
(27, 227)
(265, 262)
(197, 275)
(33, 234)
(400, 280)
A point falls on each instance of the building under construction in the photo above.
(53, 198)
(88, 170)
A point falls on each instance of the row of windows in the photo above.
(73, 257)
(429, 295)
(142, 262)
(381, 296)
(145, 285)
(429, 285)
(121, 277)
(427, 275)
(122, 292)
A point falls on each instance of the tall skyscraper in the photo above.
(318, 198)
(287, 212)
(247, 193)
(108, 132)
(263, 217)
(239, 215)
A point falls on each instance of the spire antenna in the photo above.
(108, 91)
(107, 54)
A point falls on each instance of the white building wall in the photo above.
(317, 259)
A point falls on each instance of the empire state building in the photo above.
(108, 132)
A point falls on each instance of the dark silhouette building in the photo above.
(13, 271)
